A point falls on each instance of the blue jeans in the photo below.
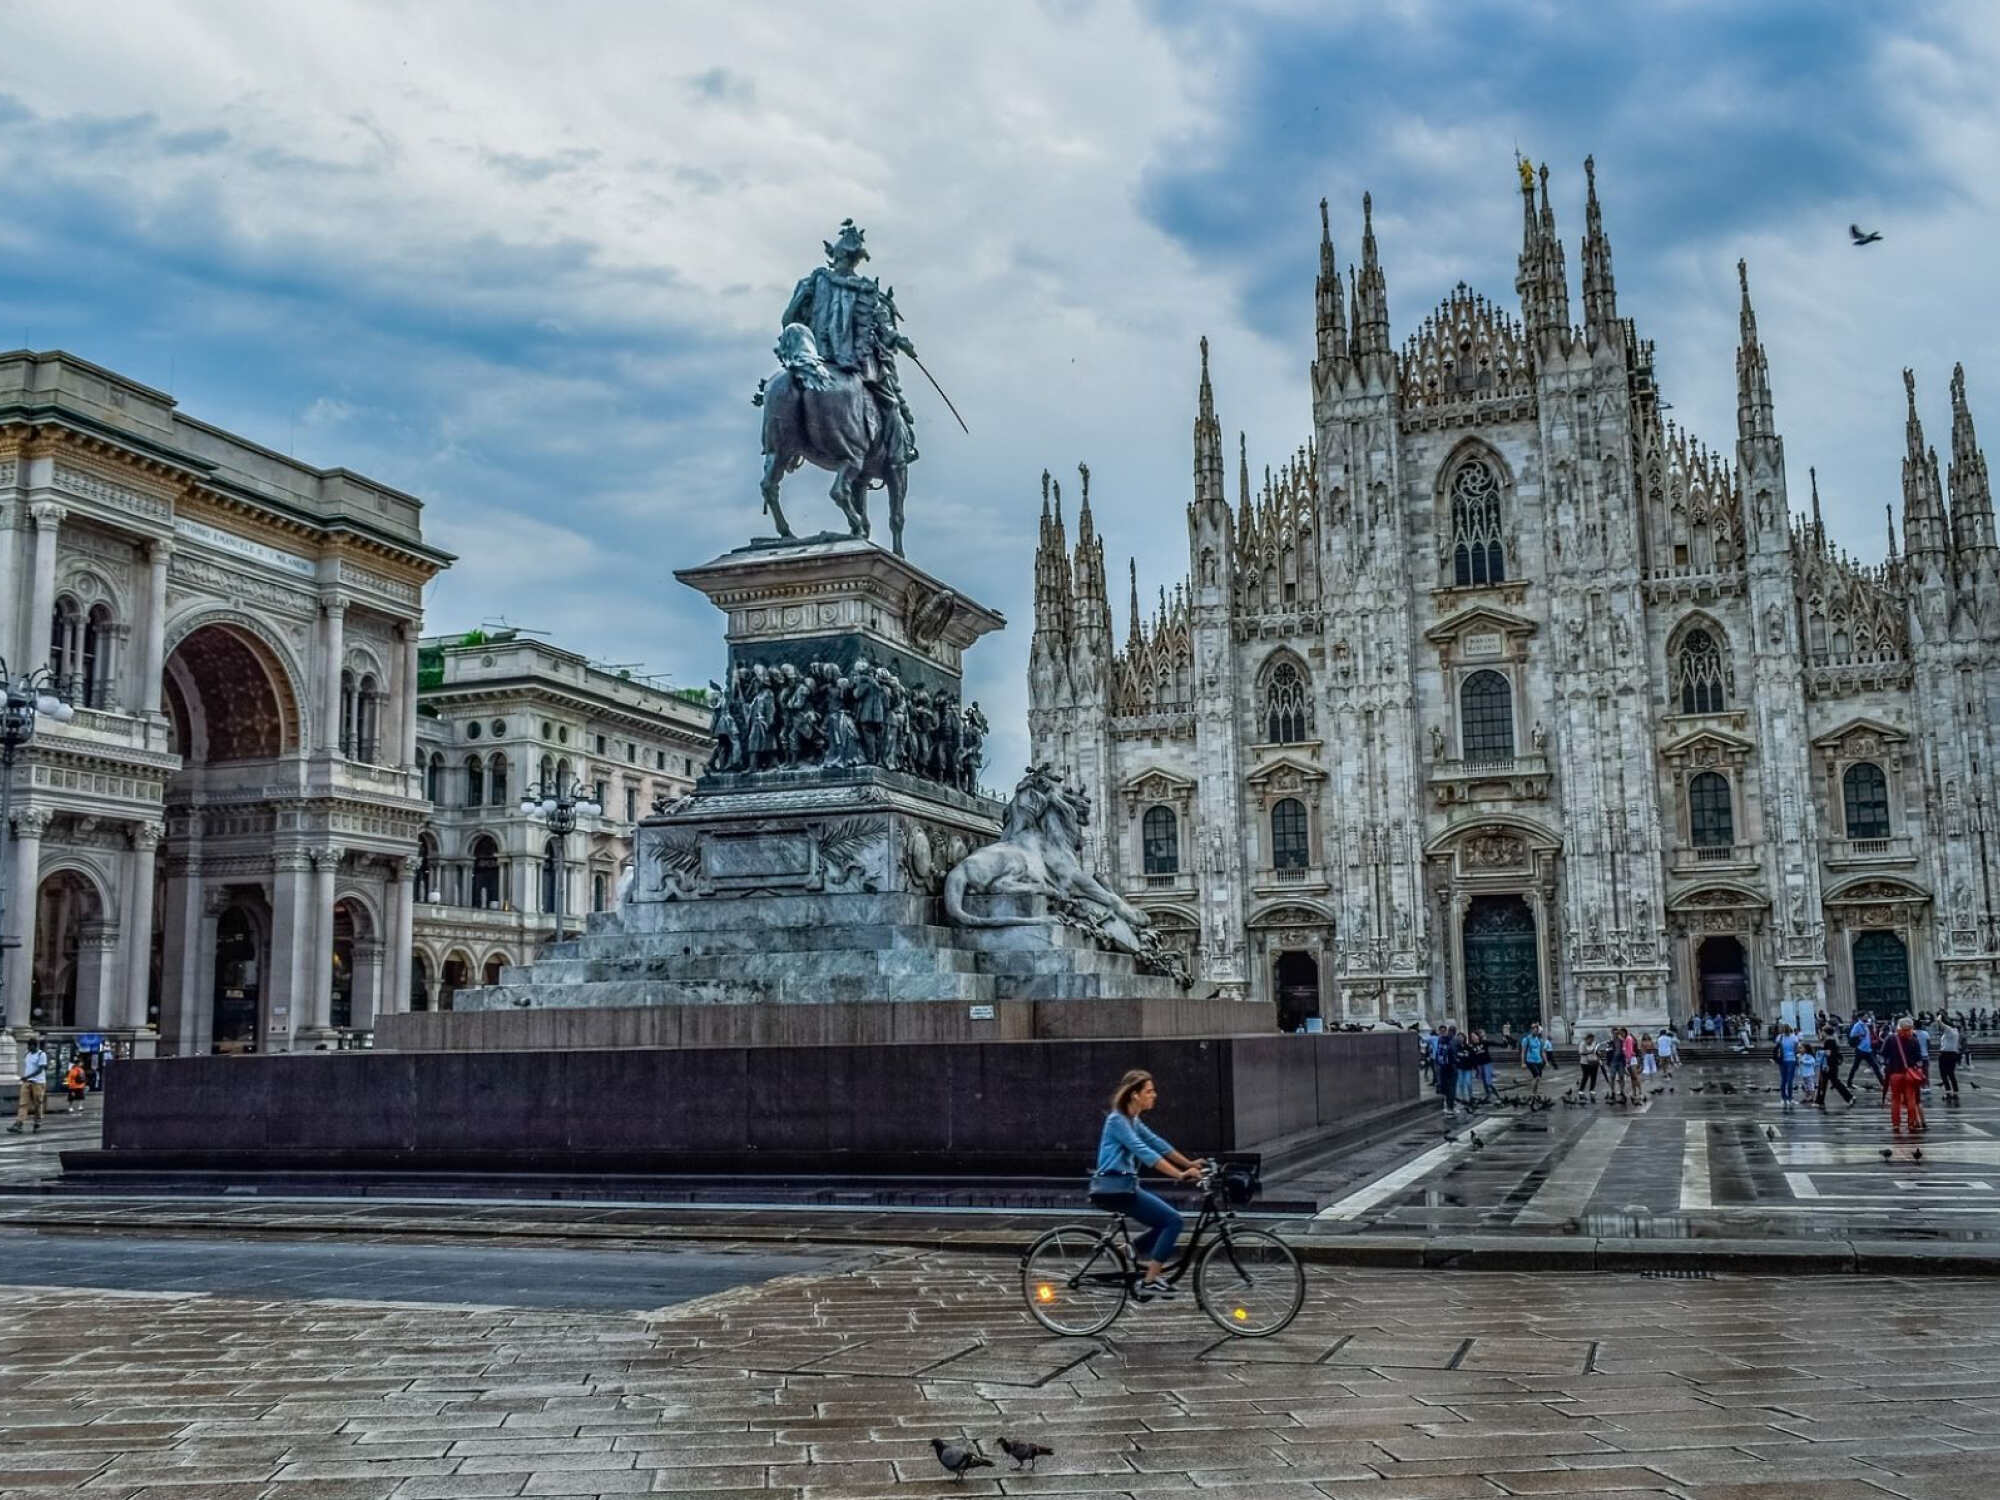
(1486, 1077)
(1785, 1072)
(1162, 1220)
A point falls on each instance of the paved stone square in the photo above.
(1390, 1386)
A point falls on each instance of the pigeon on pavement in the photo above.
(956, 1459)
(1887, 1153)
(1025, 1454)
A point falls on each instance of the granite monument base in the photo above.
(971, 1109)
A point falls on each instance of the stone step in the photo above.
(720, 913)
(765, 939)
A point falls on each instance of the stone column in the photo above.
(326, 865)
(402, 939)
(10, 581)
(48, 518)
(181, 922)
(334, 638)
(139, 924)
(287, 991)
(214, 902)
(97, 976)
(153, 665)
(23, 893)
(406, 708)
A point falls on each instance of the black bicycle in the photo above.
(1077, 1278)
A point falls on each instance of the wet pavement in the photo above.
(1711, 1152)
(1389, 1386)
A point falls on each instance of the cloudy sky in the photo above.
(526, 260)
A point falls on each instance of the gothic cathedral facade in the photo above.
(1505, 700)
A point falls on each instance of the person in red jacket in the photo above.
(1903, 1061)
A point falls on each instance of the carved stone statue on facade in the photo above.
(1039, 854)
(835, 401)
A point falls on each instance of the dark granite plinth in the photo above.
(972, 1108)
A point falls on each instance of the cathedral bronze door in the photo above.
(1881, 974)
(1503, 984)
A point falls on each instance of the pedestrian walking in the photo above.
(1534, 1057)
(1829, 1072)
(1649, 1055)
(1904, 1064)
(1444, 1058)
(1862, 1034)
(33, 1100)
(1949, 1043)
(1587, 1062)
(1669, 1048)
(1785, 1053)
(1482, 1060)
(77, 1083)
(1426, 1052)
(1807, 1077)
(1630, 1043)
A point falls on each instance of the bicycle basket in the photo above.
(1241, 1182)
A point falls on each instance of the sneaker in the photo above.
(14, 1129)
(1155, 1291)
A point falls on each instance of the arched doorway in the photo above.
(1503, 982)
(355, 950)
(455, 976)
(420, 983)
(1723, 970)
(238, 974)
(1296, 982)
(485, 872)
(1881, 974)
(491, 973)
(69, 924)
(227, 700)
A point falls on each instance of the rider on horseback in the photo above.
(853, 320)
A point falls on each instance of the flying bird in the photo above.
(1854, 233)
(1025, 1454)
(958, 1460)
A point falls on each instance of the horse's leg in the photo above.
(897, 481)
(774, 473)
(850, 495)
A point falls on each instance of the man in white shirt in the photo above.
(34, 1086)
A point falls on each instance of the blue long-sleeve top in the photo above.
(1126, 1146)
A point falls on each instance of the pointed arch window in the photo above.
(496, 780)
(1478, 554)
(1486, 717)
(1700, 678)
(1287, 705)
(1865, 793)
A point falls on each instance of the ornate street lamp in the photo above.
(22, 701)
(558, 803)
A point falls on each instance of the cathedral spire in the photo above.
(1207, 441)
(1331, 354)
(1754, 416)
(1052, 577)
(1819, 526)
(1541, 281)
(1971, 491)
(1600, 293)
(1132, 629)
(1092, 608)
(1371, 322)
(1923, 497)
(1889, 511)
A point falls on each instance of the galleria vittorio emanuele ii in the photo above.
(1502, 699)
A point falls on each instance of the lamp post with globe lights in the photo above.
(22, 700)
(558, 804)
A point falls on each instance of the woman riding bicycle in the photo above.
(1124, 1147)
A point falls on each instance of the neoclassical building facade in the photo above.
(501, 713)
(218, 852)
(1503, 699)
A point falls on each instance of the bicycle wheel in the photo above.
(1250, 1283)
(1075, 1280)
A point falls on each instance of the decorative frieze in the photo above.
(86, 485)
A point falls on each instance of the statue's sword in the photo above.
(940, 390)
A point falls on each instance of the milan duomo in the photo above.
(1505, 700)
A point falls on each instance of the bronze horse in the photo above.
(814, 413)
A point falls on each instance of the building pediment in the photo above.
(1154, 785)
(1873, 890)
(1718, 895)
(1482, 619)
(1709, 746)
(1286, 773)
(1860, 738)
